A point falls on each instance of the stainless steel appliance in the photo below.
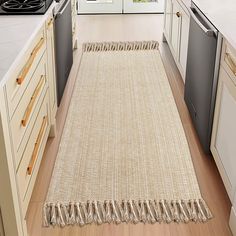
(24, 7)
(63, 46)
(202, 74)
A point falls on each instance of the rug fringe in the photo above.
(120, 46)
(109, 211)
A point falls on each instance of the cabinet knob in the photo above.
(178, 14)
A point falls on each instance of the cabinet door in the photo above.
(223, 143)
(183, 45)
(51, 68)
(176, 19)
(168, 19)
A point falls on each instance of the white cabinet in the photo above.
(176, 21)
(168, 19)
(27, 111)
(183, 42)
(176, 32)
(51, 72)
(223, 143)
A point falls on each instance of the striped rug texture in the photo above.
(123, 155)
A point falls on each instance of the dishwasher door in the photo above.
(201, 74)
(63, 46)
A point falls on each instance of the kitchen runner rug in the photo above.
(123, 155)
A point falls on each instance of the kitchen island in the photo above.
(28, 106)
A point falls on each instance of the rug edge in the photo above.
(112, 211)
(120, 46)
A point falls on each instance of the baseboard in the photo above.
(232, 221)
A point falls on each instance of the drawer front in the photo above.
(28, 168)
(19, 80)
(229, 60)
(26, 112)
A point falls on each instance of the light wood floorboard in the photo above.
(129, 28)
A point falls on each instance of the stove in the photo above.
(24, 7)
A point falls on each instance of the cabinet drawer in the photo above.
(28, 168)
(228, 60)
(19, 80)
(26, 112)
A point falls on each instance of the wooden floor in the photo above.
(120, 28)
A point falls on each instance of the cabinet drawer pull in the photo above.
(230, 62)
(32, 101)
(29, 63)
(36, 146)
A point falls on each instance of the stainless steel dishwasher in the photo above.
(202, 74)
(63, 45)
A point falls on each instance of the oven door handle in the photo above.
(208, 32)
(60, 12)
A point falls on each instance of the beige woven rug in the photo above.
(123, 155)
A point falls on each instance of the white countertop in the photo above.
(16, 33)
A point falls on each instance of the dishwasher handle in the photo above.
(60, 12)
(208, 32)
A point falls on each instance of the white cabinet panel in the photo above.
(176, 32)
(168, 19)
(183, 47)
(223, 143)
(226, 134)
(175, 28)
(51, 67)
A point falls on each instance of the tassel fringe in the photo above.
(120, 46)
(147, 211)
